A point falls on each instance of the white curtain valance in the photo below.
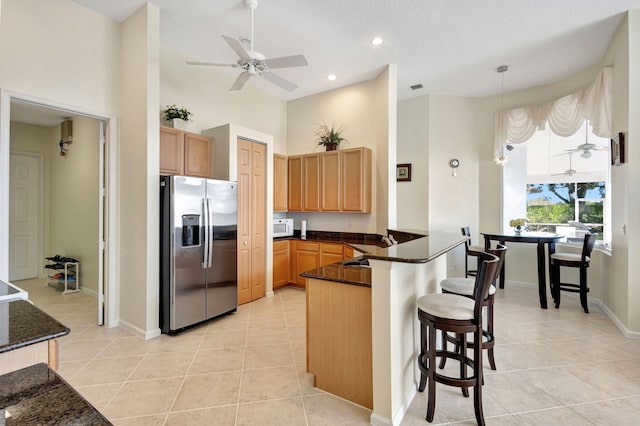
(564, 115)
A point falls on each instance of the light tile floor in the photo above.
(555, 367)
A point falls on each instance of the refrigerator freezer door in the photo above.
(188, 284)
(222, 293)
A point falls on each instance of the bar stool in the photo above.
(572, 260)
(470, 250)
(460, 315)
(464, 287)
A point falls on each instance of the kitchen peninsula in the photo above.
(362, 327)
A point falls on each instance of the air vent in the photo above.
(416, 86)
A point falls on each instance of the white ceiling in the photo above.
(452, 47)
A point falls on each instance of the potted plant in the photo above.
(329, 137)
(518, 225)
(178, 116)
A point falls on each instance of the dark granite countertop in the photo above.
(23, 324)
(419, 250)
(36, 395)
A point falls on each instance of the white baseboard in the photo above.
(146, 335)
(377, 420)
(89, 291)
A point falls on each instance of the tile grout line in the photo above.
(244, 359)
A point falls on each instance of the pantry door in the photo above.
(24, 216)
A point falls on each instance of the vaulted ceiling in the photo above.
(451, 47)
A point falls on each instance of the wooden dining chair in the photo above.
(470, 250)
(572, 260)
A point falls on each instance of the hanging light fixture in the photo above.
(502, 159)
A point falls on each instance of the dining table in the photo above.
(541, 239)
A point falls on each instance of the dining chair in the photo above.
(470, 250)
(572, 260)
(465, 287)
(461, 315)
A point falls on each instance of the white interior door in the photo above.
(24, 226)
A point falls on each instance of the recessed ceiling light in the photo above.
(376, 41)
(331, 77)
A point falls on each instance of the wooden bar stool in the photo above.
(460, 315)
(572, 260)
(464, 287)
(470, 250)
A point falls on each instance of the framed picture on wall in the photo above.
(617, 149)
(403, 172)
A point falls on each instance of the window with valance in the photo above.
(564, 115)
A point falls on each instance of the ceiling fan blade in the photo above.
(286, 61)
(279, 81)
(213, 64)
(237, 47)
(240, 81)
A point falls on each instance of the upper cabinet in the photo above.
(280, 183)
(333, 181)
(185, 153)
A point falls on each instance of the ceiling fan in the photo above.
(570, 171)
(255, 64)
(587, 147)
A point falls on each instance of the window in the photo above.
(553, 180)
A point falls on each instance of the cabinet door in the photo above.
(244, 222)
(330, 253)
(356, 180)
(330, 181)
(280, 263)
(294, 174)
(198, 155)
(280, 189)
(311, 182)
(171, 151)
(348, 252)
(258, 214)
(307, 258)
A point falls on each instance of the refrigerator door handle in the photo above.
(210, 214)
(205, 214)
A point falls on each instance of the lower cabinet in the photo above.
(293, 257)
(280, 263)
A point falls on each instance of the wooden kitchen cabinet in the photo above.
(356, 180)
(171, 151)
(280, 263)
(348, 252)
(331, 253)
(333, 181)
(294, 175)
(280, 179)
(307, 257)
(311, 182)
(185, 153)
(330, 181)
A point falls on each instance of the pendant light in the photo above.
(502, 159)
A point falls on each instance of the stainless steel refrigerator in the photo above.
(198, 234)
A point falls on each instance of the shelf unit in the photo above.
(70, 276)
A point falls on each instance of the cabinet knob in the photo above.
(246, 242)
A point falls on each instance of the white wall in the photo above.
(139, 171)
(204, 91)
(61, 51)
(413, 148)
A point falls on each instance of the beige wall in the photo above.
(74, 193)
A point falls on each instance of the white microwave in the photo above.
(282, 227)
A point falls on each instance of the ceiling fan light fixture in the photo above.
(376, 41)
(331, 77)
(586, 154)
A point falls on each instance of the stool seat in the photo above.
(462, 286)
(570, 257)
(445, 305)
(475, 250)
